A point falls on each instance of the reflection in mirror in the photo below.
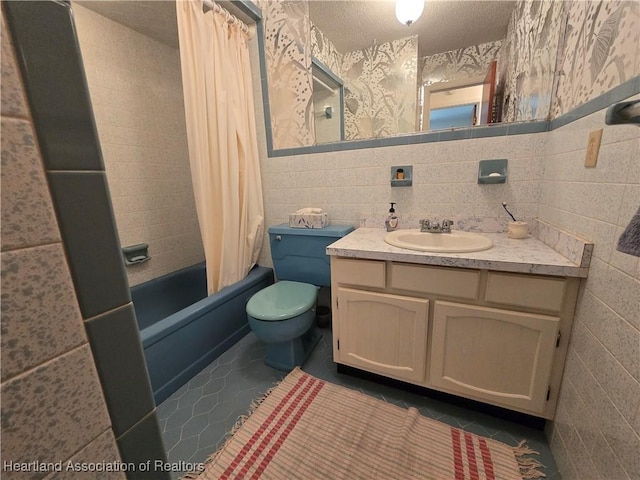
(390, 70)
(328, 101)
(478, 93)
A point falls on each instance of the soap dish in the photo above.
(402, 176)
(137, 253)
(492, 171)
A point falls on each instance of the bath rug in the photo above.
(306, 428)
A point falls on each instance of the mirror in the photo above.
(394, 72)
(401, 80)
(328, 104)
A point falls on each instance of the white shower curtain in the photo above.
(223, 150)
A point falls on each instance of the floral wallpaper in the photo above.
(380, 93)
(380, 85)
(528, 57)
(594, 46)
(323, 49)
(287, 30)
(601, 51)
(469, 62)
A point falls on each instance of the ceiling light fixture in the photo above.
(408, 11)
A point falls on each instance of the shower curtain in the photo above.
(221, 134)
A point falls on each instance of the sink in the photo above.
(454, 242)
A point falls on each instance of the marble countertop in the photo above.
(528, 255)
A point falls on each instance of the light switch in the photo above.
(593, 147)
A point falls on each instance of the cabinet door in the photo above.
(383, 333)
(498, 356)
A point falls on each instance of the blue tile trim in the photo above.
(617, 94)
(621, 92)
(341, 146)
(250, 8)
(116, 347)
(141, 443)
(394, 141)
(426, 137)
(459, 134)
(373, 143)
(266, 105)
(80, 193)
(342, 110)
(324, 148)
(49, 57)
(527, 127)
(88, 228)
(496, 130)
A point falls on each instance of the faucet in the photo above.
(435, 227)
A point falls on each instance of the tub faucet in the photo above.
(435, 227)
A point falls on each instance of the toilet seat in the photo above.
(282, 300)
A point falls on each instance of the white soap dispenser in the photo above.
(392, 220)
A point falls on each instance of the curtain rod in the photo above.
(230, 17)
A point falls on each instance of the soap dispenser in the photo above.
(392, 220)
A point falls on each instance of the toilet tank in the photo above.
(299, 254)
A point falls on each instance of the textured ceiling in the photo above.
(444, 25)
(350, 25)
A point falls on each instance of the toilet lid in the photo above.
(282, 300)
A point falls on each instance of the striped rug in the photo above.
(307, 428)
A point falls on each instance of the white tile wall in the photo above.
(354, 183)
(597, 430)
(136, 92)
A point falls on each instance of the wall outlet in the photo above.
(593, 147)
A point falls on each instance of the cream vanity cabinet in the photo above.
(496, 337)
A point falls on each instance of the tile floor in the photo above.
(196, 419)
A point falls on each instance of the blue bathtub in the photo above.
(183, 330)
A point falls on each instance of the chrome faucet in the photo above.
(435, 227)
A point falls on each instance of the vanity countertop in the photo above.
(528, 255)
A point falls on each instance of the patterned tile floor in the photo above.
(196, 419)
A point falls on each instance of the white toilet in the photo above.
(282, 315)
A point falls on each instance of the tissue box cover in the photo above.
(308, 220)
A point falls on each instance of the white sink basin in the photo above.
(454, 242)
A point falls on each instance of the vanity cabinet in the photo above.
(495, 337)
(385, 333)
(499, 356)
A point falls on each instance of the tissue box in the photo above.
(308, 220)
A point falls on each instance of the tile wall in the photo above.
(597, 430)
(136, 93)
(82, 392)
(350, 184)
(53, 408)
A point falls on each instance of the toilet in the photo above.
(282, 315)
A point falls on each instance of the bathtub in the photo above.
(183, 330)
